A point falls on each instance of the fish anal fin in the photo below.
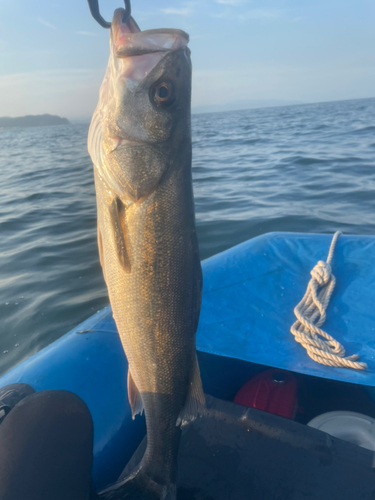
(120, 233)
(195, 402)
(134, 396)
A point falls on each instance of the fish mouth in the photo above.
(135, 53)
(130, 41)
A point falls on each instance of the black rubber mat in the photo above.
(236, 453)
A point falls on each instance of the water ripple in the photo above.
(304, 168)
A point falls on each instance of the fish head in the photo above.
(142, 122)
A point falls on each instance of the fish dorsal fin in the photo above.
(195, 402)
(134, 396)
(120, 233)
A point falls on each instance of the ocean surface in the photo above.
(305, 168)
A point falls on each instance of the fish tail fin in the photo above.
(139, 486)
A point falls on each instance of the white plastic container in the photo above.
(353, 427)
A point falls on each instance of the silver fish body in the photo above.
(140, 143)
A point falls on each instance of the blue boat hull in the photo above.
(249, 295)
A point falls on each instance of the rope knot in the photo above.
(321, 273)
(311, 314)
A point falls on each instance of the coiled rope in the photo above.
(311, 314)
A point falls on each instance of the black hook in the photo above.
(94, 9)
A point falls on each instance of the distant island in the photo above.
(32, 121)
(242, 105)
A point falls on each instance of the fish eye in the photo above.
(163, 94)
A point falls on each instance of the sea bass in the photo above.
(140, 144)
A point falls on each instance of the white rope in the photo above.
(311, 314)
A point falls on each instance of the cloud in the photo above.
(231, 2)
(184, 11)
(297, 19)
(187, 10)
(253, 14)
(86, 33)
(300, 82)
(260, 14)
(46, 23)
(38, 77)
(68, 92)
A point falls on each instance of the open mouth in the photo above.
(138, 52)
(130, 41)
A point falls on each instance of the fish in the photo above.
(140, 144)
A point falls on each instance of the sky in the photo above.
(53, 54)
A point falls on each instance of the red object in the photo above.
(273, 391)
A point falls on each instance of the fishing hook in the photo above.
(94, 9)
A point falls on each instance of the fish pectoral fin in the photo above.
(100, 247)
(195, 402)
(120, 233)
(134, 396)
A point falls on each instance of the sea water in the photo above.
(305, 168)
